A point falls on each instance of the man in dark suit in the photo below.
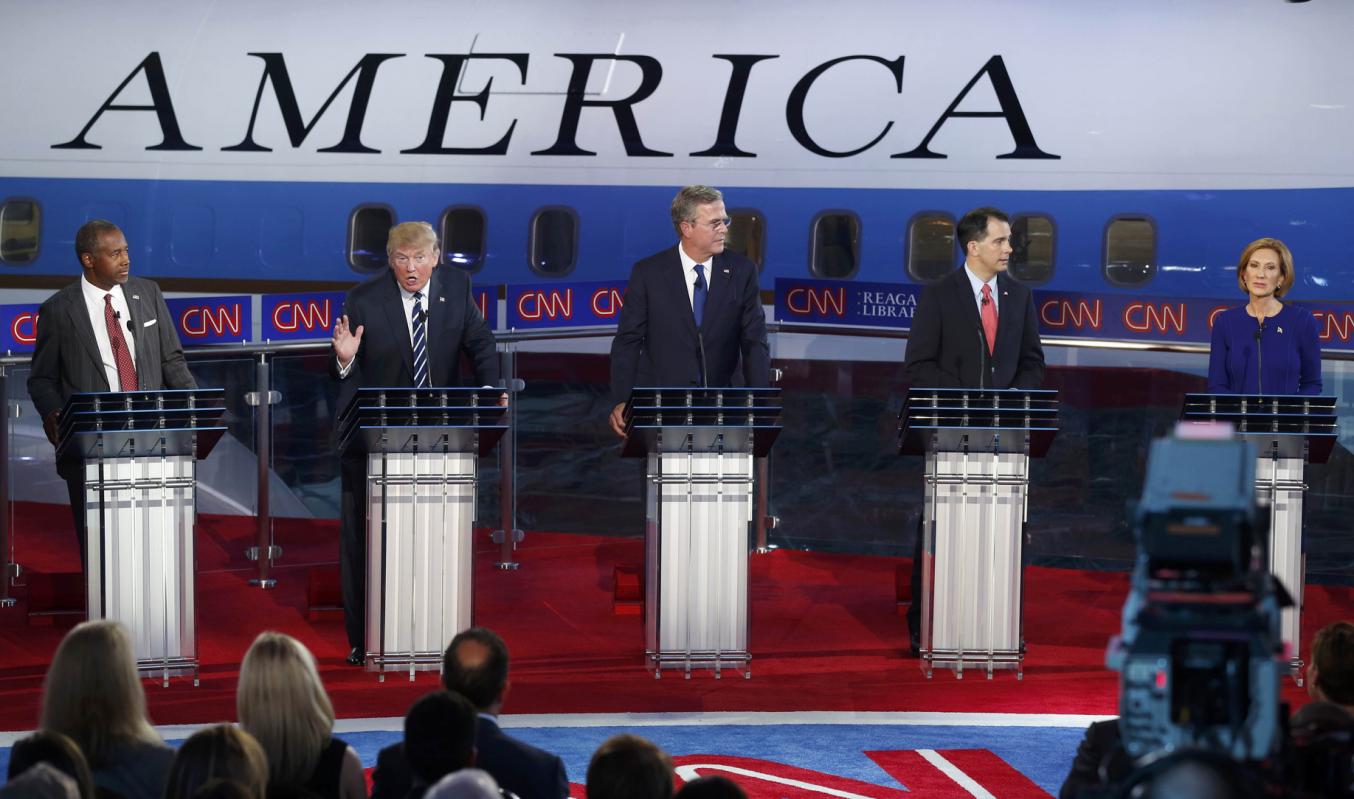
(975, 328)
(690, 311)
(405, 328)
(476, 666)
(84, 332)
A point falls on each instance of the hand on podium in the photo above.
(617, 419)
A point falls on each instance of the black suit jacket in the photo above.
(518, 767)
(947, 349)
(386, 358)
(66, 358)
(656, 340)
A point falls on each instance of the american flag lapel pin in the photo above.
(136, 296)
(440, 298)
(1281, 330)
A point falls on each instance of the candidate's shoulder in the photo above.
(659, 259)
(71, 292)
(735, 261)
(372, 286)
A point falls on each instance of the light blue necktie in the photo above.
(420, 343)
(698, 294)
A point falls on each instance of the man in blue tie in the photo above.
(408, 327)
(691, 312)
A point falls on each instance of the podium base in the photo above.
(986, 662)
(717, 661)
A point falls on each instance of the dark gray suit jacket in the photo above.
(656, 341)
(66, 358)
(385, 357)
(946, 347)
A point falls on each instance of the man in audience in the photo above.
(476, 666)
(439, 739)
(627, 766)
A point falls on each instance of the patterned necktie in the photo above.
(989, 319)
(420, 343)
(121, 355)
(698, 294)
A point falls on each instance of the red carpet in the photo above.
(825, 634)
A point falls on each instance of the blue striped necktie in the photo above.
(699, 293)
(420, 343)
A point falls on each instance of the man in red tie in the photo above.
(975, 328)
(107, 331)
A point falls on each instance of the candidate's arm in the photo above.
(1030, 369)
(44, 379)
(173, 366)
(477, 342)
(1217, 360)
(631, 332)
(1309, 356)
(756, 352)
(921, 363)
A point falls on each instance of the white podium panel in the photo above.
(139, 531)
(973, 532)
(1279, 488)
(420, 565)
(698, 511)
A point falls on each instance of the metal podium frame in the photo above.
(138, 451)
(699, 445)
(1289, 431)
(977, 444)
(421, 446)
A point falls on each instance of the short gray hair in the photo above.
(684, 204)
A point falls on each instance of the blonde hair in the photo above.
(1286, 270)
(92, 693)
(411, 234)
(220, 752)
(282, 703)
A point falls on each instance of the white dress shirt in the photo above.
(94, 306)
(978, 291)
(689, 270)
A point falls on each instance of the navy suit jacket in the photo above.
(66, 358)
(386, 358)
(947, 349)
(518, 767)
(656, 340)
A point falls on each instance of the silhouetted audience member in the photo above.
(712, 786)
(468, 783)
(629, 767)
(439, 738)
(475, 666)
(225, 789)
(42, 781)
(282, 703)
(93, 695)
(222, 752)
(1330, 676)
(57, 751)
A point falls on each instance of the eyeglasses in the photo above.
(400, 259)
(713, 224)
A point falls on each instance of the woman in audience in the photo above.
(217, 753)
(93, 695)
(282, 703)
(57, 751)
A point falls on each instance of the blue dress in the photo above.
(1289, 360)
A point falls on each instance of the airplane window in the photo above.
(1032, 237)
(368, 228)
(462, 237)
(835, 245)
(930, 246)
(747, 235)
(20, 224)
(1130, 250)
(554, 241)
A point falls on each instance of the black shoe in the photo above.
(914, 648)
(356, 657)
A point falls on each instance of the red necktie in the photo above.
(989, 319)
(121, 356)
